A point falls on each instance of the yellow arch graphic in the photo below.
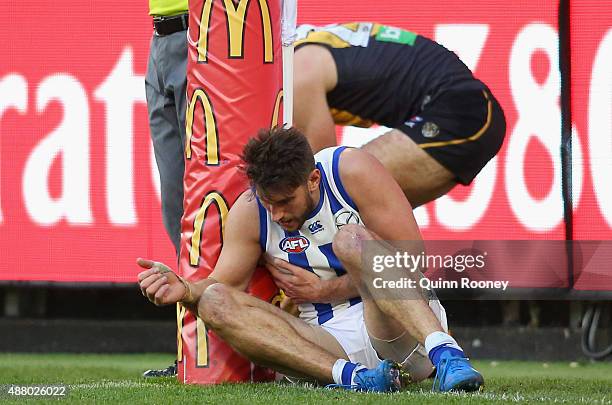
(236, 20)
(201, 336)
(180, 315)
(202, 344)
(277, 104)
(212, 138)
(212, 197)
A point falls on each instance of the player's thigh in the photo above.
(312, 333)
(419, 175)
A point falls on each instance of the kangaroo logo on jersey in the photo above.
(345, 217)
(294, 244)
(315, 227)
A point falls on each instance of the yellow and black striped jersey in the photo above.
(385, 74)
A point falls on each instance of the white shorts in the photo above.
(349, 329)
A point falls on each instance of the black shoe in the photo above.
(169, 371)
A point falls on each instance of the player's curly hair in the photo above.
(278, 160)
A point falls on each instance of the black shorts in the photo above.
(462, 129)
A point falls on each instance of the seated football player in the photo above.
(446, 124)
(319, 214)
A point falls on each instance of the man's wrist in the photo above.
(188, 298)
(193, 291)
(324, 291)
(339, 288)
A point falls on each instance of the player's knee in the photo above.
(215, 306)
(395, 137)
(347, 243)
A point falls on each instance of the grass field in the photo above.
(116, 379)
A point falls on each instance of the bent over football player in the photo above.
(446, 124)
(318, 213)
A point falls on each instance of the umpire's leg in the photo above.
(166, 85)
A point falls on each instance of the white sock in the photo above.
(344, 371)
(436, 339)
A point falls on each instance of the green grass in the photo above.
(116, 379)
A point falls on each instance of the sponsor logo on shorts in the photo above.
(430, 130)
(413, 121)
(294, 244)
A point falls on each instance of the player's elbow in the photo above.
(348, 241)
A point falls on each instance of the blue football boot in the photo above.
(455, 373)
(384, 378)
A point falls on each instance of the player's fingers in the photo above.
(273, 270)
(281, 273)
(155, 268)
(150, 279)
(285, 267)
(283, 264)
(145, 283)
(270, 265)
(144, 274)
(279, 262)
(159, 295)
(162, 268)
(285, 278)
(145, 263)
(289, 291)
(266, 258)
(281, 284)
(152, 289)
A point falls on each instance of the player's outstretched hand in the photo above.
(159, 284)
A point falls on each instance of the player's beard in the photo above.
(310, 206)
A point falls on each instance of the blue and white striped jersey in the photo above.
(310, 247)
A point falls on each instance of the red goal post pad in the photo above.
(234, 88)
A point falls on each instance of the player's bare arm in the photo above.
(381, 202)
(241, 249)
(315, 75)
(237, 261)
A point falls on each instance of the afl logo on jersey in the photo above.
(294, 244)
(345, 217)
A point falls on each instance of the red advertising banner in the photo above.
(78, 183)
(591, 92)
(79, 195)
